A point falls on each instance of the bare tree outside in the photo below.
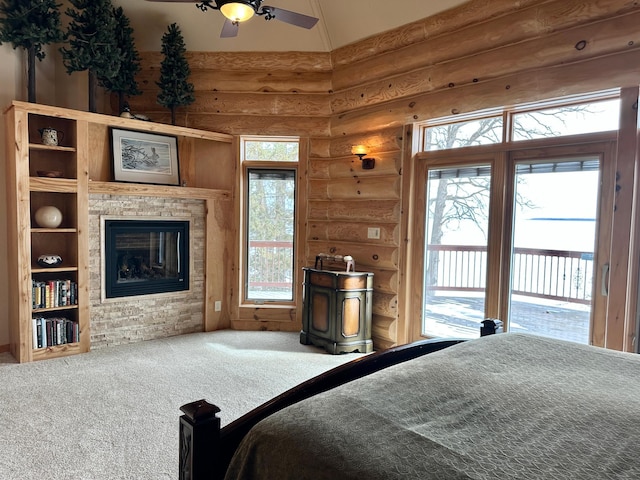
(466, 198)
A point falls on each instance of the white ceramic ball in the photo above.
(48, 217)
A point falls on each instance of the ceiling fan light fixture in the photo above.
(237, 11)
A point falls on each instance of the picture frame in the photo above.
(142, 157)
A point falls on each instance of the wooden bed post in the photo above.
(199, 439)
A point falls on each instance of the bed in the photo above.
(506, 406)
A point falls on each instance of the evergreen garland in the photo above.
(175, 91)
(124, 83)
(30, 24)
(92, 43)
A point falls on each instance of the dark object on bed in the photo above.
(503, 406)
(490, 326)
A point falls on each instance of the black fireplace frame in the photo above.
(113, 289)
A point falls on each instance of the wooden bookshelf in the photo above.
(46, 175)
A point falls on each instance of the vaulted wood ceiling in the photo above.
(341, 22)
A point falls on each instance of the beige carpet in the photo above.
(113, 413)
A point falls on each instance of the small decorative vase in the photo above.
(48, 217)
(51, 136)
(49, 260)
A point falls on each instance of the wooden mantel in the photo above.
(117, 188)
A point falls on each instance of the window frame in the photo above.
(608, 331)
(246, 242)
(245, 167)
(503, 159)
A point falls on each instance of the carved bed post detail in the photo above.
(199, 438)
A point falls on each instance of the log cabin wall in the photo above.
(485, 53)
(247, 93)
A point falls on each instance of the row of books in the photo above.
(53, 293)
(48, 332)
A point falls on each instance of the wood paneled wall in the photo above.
(248, 93)
(485, 53)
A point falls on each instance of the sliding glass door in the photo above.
(510, 235)
(552, 259)
(455, 272)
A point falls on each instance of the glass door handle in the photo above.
(604, 282)
(178, 252)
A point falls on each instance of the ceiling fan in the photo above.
(236, 11)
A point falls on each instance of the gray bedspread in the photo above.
(507, 406)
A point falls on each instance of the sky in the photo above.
(565, 213)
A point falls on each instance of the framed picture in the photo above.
(141, 157)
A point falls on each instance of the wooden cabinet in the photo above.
(63, 176)
(337, 310)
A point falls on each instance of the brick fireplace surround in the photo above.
(118, 321)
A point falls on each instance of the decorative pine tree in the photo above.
(125, 82)
(92, 43)
(175, 91)
(30, 24)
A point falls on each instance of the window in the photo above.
(597, 112)
(271, 150)
(270, 171)
(563, 120)
(456, 134)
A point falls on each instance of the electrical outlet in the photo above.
(373, 232)
(218, 306)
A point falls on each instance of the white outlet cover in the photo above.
(373, 232)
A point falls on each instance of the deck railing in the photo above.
(270, 267)
(551, 274)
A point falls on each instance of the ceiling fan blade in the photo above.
(229, 29)
(293, 18)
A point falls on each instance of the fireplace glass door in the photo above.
(146, 256)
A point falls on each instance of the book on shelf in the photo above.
(53, 293)
(48, 332)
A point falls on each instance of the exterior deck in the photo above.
(460, 316)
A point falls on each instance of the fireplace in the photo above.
(145, 256)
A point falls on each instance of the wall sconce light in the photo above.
(360, 151)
